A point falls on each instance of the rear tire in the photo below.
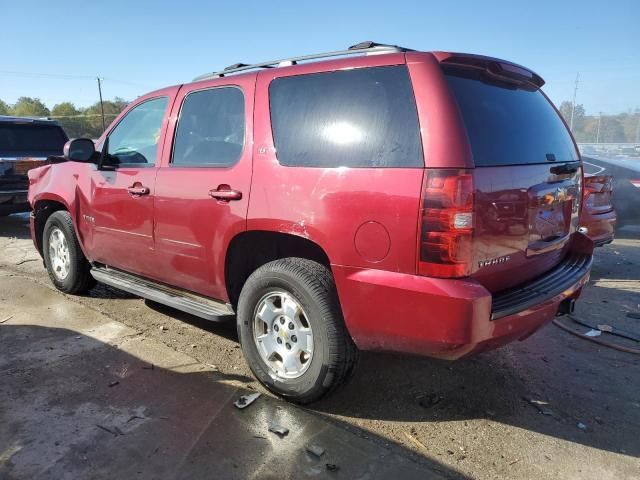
(285, 299)
(66, 265)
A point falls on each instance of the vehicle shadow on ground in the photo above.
(225, 328)
(82, 408)
(550, 366)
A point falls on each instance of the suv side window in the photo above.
(365, 117)
(134, 141)
(210, 129)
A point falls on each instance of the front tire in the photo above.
(66, 265)
(292, 332)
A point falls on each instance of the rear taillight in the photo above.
(446, 223)
(597, 193)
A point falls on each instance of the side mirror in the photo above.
(79, 150)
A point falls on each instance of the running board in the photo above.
(188, 302)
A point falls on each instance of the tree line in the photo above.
(87, 122)
(77, 122)
(620, 128)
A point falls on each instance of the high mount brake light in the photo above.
(446, 223)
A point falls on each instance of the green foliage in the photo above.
(621, 128)
(4, 108)
(77, 122)
(30, 107)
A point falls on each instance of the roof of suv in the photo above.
(10, 119)
(367, 47)
(496, 65)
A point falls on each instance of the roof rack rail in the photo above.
(362, 47)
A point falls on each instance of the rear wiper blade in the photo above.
(564, 169)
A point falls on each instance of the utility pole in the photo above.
(598, 131)
(104, 127)
(573, 104)
(638, 128)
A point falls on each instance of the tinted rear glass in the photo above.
(355, 118)
(507, 124)
(31, 139)
(211, 128)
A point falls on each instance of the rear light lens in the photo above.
(597, 193)
(446, 223)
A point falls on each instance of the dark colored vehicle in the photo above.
(25, 143)
(598, 215)
(418, 202)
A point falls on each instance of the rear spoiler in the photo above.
(502, 69)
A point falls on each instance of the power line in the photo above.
(71, 76)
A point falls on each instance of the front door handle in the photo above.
(225, 193)
(138, 189)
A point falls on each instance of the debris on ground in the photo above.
(593, 333)
(278, 429)
(163, 328)
(540, 405)
(112, 432)
(605, 328)
(415, 441)
(113, 384)
(6, 319)
(316, 450)
(245, 400)
(581, 426)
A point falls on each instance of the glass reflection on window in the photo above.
(342, 133)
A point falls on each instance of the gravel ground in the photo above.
(553, 406)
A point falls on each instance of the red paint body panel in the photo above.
(441, 318)
(513, 220)
(601, 227)
(328, 205)
(193, 230)
(365, 219)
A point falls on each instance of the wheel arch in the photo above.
(250, 250)
(43, 208)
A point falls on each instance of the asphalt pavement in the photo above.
(109, 386)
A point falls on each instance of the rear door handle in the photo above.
(225, 193)
(138, 189)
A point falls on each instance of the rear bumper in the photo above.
(445, 318)
(600, 227)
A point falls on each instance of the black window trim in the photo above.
(177, 124)
(158, 159)
(414, 103)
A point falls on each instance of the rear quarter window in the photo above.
(355, 118)
(508, 124)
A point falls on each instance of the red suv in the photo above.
(419, 202)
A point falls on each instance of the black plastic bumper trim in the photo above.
(563, 276)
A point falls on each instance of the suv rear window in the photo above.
(21, 139)
(355, 118)
(508, 124)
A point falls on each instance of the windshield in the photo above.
(506, 123)
(31, 140)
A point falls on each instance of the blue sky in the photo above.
(54, 49)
